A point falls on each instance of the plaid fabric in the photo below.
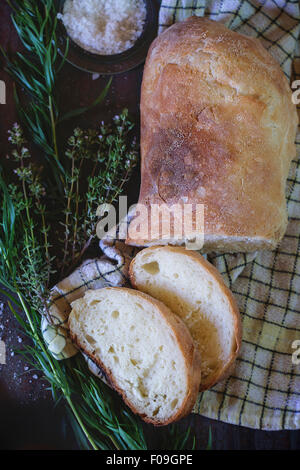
(263, 391)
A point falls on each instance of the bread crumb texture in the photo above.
(137, 347)
(191, 292)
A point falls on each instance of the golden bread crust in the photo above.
(217, 128)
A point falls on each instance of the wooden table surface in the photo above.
(28, 418)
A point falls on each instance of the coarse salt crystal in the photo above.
(104, 26)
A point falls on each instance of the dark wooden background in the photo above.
(28, 418)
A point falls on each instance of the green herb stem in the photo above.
(82, 426)
(53, 128)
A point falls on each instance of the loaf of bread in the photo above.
(145, 351)
(217, 128)
(194, 290)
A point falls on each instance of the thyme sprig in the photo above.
(27, 199)
(101, 161)
(108, 150)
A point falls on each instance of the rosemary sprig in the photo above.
(36, 70)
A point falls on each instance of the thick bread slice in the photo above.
(146, 351)
(193, 289)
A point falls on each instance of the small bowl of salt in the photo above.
(106, 36)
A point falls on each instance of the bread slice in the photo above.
(193, 289)
(145, 351)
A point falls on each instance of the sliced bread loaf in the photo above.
(146, 351)
(193, 289)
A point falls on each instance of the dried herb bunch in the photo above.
(100, 163)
